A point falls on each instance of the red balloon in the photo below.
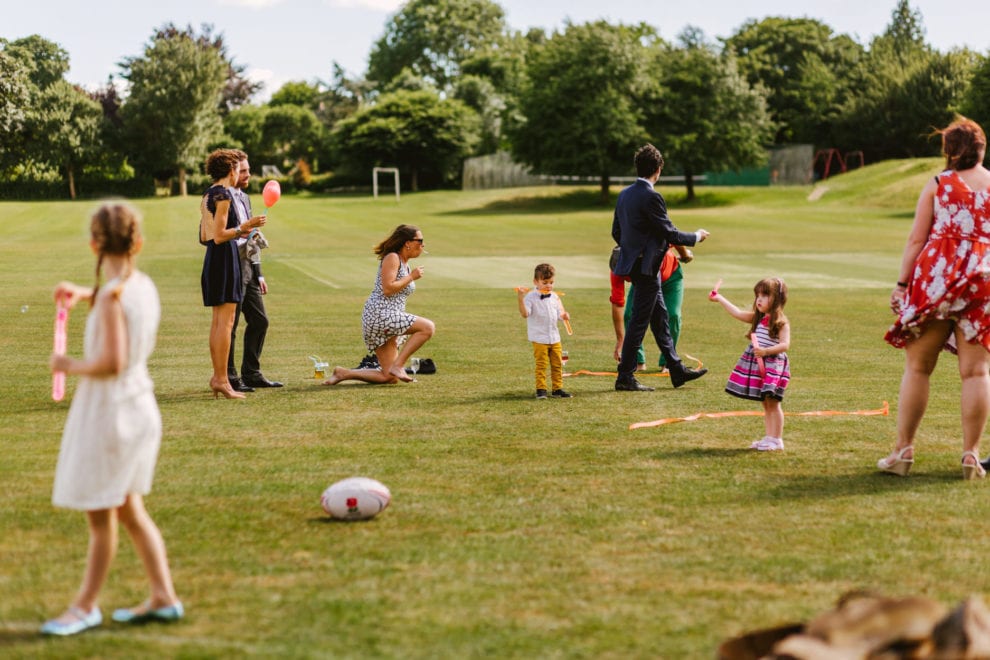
(271, 193)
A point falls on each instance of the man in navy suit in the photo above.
(643, 231)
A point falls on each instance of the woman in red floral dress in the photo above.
(942, 297)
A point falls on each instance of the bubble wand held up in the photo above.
(61, 325)
(714, 291)
(567, 323)
(759, 359)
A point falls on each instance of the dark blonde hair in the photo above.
(543, 272)
(776, 289)
(222, 162)
(963, 143)
(116, 230)
(399, 237)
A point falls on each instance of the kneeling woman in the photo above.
(385, 318)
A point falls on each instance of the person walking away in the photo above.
(642, 230)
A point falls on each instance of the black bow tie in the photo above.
(544, 295)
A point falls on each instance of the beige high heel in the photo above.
(225, 389)
(974, 471)
(896, 463)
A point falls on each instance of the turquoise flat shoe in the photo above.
(166, 614)
(82, 622)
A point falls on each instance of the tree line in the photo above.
(448, 79)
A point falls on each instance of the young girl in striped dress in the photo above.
(766, 383)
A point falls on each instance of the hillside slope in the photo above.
(892, 184)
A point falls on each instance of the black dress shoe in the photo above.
(238, 385)
(261, 381)
(631, 385)
(678, 378)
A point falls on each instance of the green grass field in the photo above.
(518, 528)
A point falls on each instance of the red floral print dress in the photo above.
(951, 278)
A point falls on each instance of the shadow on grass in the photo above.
(524, 395)
(583, 200)
(863, 481)
(866, 482)
(22, 634)
(702, 453)
(576, 200)
(327, 520)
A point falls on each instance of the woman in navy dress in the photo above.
(221, 278)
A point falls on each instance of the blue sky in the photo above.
(281, 40)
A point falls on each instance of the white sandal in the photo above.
(896, 463)
(974, 471)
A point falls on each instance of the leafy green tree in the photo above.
(297, 92)
(976, 103)
(901, 102)
(408, 81)
(172, 113)
(480, 95)
(51, 125)
(580, 102)
(45, 61)
(491, 82)
(66, 126)
(15, 95)
(902, 90)
(905, 34)
(425, 136)
(246, 125)
(805, 69)
(238, 88)
(703, 115)
(433, 37)
(279, 135)
(342, 96)
(289, 133)
(29, 65)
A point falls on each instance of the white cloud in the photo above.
(376, 5)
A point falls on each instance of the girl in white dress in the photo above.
(113, 431)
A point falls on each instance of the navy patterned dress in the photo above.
(221, 278)
(385, 316)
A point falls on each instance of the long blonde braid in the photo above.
(116, 229)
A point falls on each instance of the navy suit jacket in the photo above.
(642, 228)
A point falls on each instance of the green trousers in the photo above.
(672, 290)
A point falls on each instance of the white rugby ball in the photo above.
(356, 498)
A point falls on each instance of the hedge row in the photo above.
(85, 189)
(93, 188)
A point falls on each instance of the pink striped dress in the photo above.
(745, 381)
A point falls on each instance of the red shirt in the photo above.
(667, 268)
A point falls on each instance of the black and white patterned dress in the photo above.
(385, 316)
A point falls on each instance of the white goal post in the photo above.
(374, 179)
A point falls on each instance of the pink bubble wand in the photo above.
(61, 325)
(759, 358)
(715, 290)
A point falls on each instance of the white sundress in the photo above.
(113, 431)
